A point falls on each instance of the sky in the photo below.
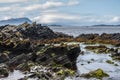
(63, 12)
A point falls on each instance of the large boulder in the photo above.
(64, 55)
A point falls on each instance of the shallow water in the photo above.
(14, 75)
(97, 61)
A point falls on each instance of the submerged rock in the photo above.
(109, 62)
(99, 73)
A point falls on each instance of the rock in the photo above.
(4, 72)
(88, 36)
(64, 55)
(25, 78)
(4, 56)
(111, 50)
(59, 73)
(59, 34)
(18, 60)
(110, 62)
(36, 31)
(103, 38)
(25, 66)
(21, 48)
(97, 49)
(116, 56)
(99, 73)
(66, 72)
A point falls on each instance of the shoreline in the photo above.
(28, 45)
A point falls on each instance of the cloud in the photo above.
(60, 18)
(2, 9)
(11, 8)
(12, 1)
(54, 17)
(73, 2)
(115, 19)
(51, 11)
(44, 6)
(50, 4)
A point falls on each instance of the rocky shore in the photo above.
(104, 38)
(21, 49)
(43, 54)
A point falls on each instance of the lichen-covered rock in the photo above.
(65, 55)
(51, 73)
(99, 73)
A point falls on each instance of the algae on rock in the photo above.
(99, 74)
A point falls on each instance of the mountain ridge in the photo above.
(15, 21)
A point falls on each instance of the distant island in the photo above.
(15, 21)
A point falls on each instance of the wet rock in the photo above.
(116, 56)
(25, 66)
(17, 60)
(110, 62)
(53, 73)
(99, 73)
(111, 50)
(25, 78)
(4, 56)
(66, 72)
(4, 72)
(97, 49)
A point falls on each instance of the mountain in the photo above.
(105, 25)
(15, 21)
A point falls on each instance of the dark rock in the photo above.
(4, 56)
(25, 66)
(116, 56)
(64, 55)
(4, 72)
(97, 49)
(18, 60)
(36, 31)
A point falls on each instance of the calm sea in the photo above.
(75, 31)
